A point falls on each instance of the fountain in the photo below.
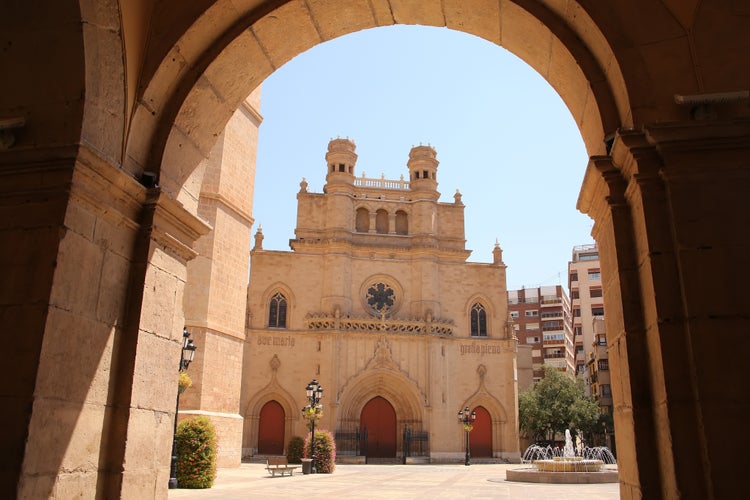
(552, 465)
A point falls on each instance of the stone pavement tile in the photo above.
(481, 481)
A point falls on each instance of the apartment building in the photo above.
(586, 301)
(542, 319)
(598, 368)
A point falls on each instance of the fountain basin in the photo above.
(534, 475)
(594, 465)
(569, 464)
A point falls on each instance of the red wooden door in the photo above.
(271, 429)
(379, 418)
(480, 438)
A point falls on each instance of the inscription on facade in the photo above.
(276, 341)
(480, 349)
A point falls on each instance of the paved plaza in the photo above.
(391, 482)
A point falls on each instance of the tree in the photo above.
(555, 404)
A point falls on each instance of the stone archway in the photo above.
(575, 59)
(667, 197)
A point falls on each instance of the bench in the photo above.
(279, 465)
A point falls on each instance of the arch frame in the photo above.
(576, 50)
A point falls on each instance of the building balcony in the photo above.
(551, 302)
(554, 355)
(558, 363)
(554, 343)
(551, 315)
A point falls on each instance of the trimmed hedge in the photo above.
(325, 451)
(294, 450)
(196, 453)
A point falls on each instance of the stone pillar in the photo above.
(100, 265)
(216, 293)
(670, 206)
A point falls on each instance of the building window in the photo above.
(588, 256)
(514, 314)
(595, 274)
(531, 313)
(578, 330)
(478, 321)
(277, 311)
(576, 312)
(597, 310)
(574, 276)
(532, 326)
(603, 364)
(574, 294)
(532, 340)
(606, 389)
(553, 337)
(595, 291)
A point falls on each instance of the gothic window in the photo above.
(277, 311)
(402, 223)
(363, 220)
(380, 298)
(381, 221)
(478, 320)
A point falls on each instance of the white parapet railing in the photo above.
(382, 183)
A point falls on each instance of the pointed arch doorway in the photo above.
(378, 418)
(271, 429)
(480, 438)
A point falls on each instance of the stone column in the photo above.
(216, 293)
(100, 267)
(670, 206)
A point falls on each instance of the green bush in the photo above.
(325, 451)
(294, 450)
(196, 453)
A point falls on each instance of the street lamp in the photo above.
(187, 353)
(312, 410)
(466, 417)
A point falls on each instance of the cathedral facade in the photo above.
(377, 302)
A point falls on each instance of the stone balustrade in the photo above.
(324, 321)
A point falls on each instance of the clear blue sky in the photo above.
(503, 137)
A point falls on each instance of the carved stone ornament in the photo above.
(380, 299)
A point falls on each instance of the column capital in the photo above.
(171, 225)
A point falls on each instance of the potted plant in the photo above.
(184, 381)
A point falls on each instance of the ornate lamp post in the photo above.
(186, 357)
(466, 417)
(312, 410)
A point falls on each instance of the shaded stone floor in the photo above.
(391, 482)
